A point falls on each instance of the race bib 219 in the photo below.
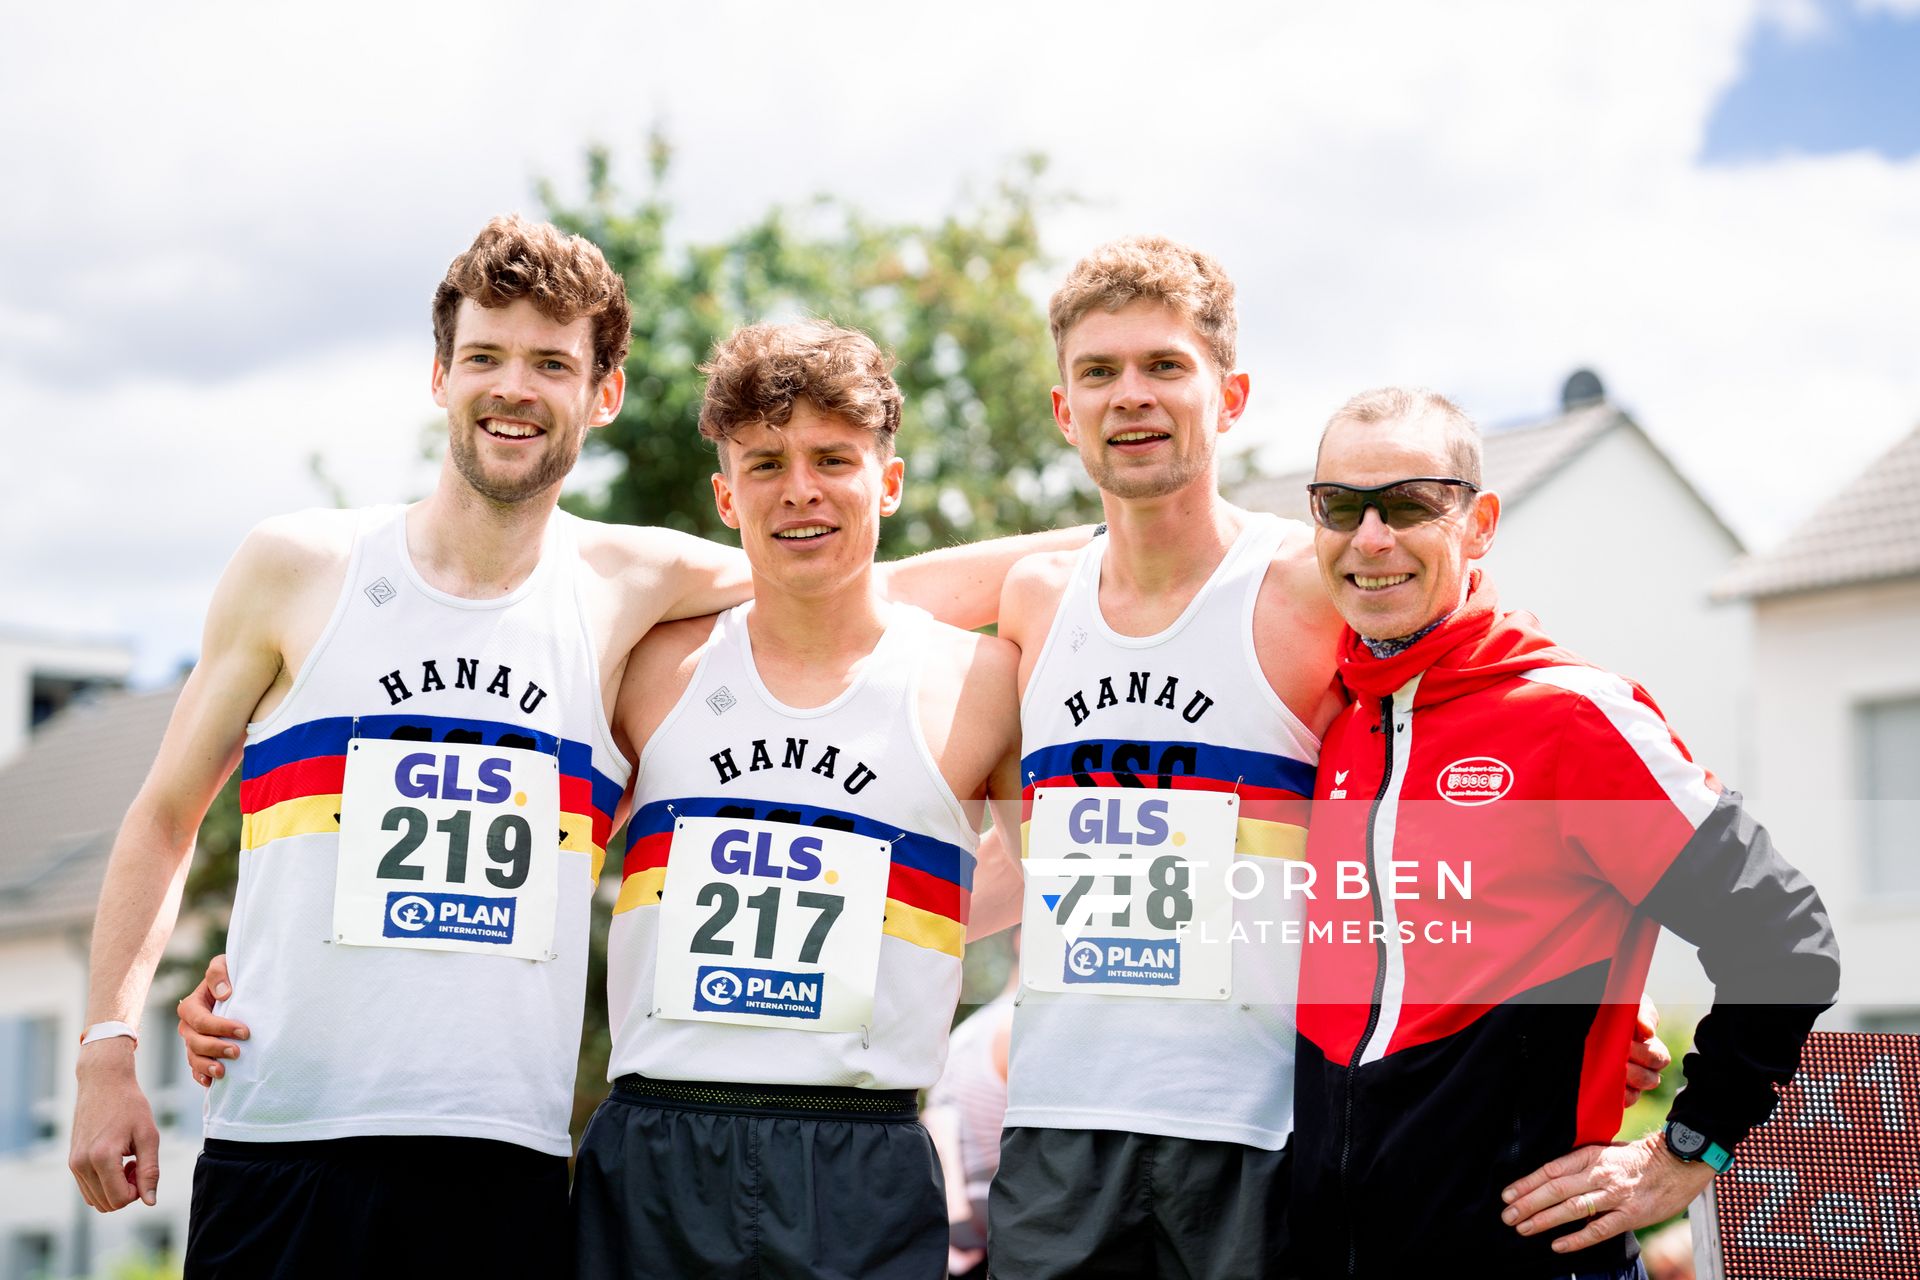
(448, 847)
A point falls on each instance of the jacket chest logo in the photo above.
(1476, 780)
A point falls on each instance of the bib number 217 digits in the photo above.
(770, 924)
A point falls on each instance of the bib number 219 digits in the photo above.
(448, 847)
(770, 924)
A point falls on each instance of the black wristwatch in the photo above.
(1695, 1147)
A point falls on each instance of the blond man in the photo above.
(1176, 676)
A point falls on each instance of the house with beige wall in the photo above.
(64, 794)
(1836, 724)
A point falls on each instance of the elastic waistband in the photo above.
(384, 1149)
(830, 1101)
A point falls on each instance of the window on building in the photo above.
(155, 1239)
(30, 1256)
(1893, 1022)
(29, 1069)
(53, 694)
(1889, 812)
(175, 1099)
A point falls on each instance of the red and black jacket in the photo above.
(1484, 778)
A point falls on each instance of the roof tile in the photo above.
(1867, 532)
(65, 796)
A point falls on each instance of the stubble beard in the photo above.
(1125, 483)
(556, 460)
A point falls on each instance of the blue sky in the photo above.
(1838, 77)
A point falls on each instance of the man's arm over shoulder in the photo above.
(963, 586)
(1296, 633)
(999, 884)
(657, 674)
(659, 575)
(999, 880)
(970, 719)
(271, 584)
(1028, 602)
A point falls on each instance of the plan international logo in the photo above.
(768, 992)
(449, 915)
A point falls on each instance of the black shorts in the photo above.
(378, 1206)
(1093, 1202)
(707, 1181)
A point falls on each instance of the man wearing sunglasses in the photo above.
(1183, 660)
(1468, 1031)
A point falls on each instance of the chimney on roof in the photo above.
(1581, 389)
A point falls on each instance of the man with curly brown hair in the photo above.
(418, 700)
(784, 959)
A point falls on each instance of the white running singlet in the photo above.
(730, 750)
(450, 730)
(1188, 708)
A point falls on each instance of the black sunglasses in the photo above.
(1402, 504)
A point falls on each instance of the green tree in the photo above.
(953, 299)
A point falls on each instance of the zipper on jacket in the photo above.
(1379, 988)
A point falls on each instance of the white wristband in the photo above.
(109, 1031)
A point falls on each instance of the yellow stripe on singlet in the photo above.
(926, 929)
(301, 816)
(641, 889)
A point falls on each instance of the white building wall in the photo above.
(1818, 657)
(25, 655)
(1616, 557)
(47, 977)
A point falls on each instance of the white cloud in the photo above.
(237, 223)
(132, 499)
(1799, 20)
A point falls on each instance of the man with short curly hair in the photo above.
(784, 959)
(762, 373)
(418, 701)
